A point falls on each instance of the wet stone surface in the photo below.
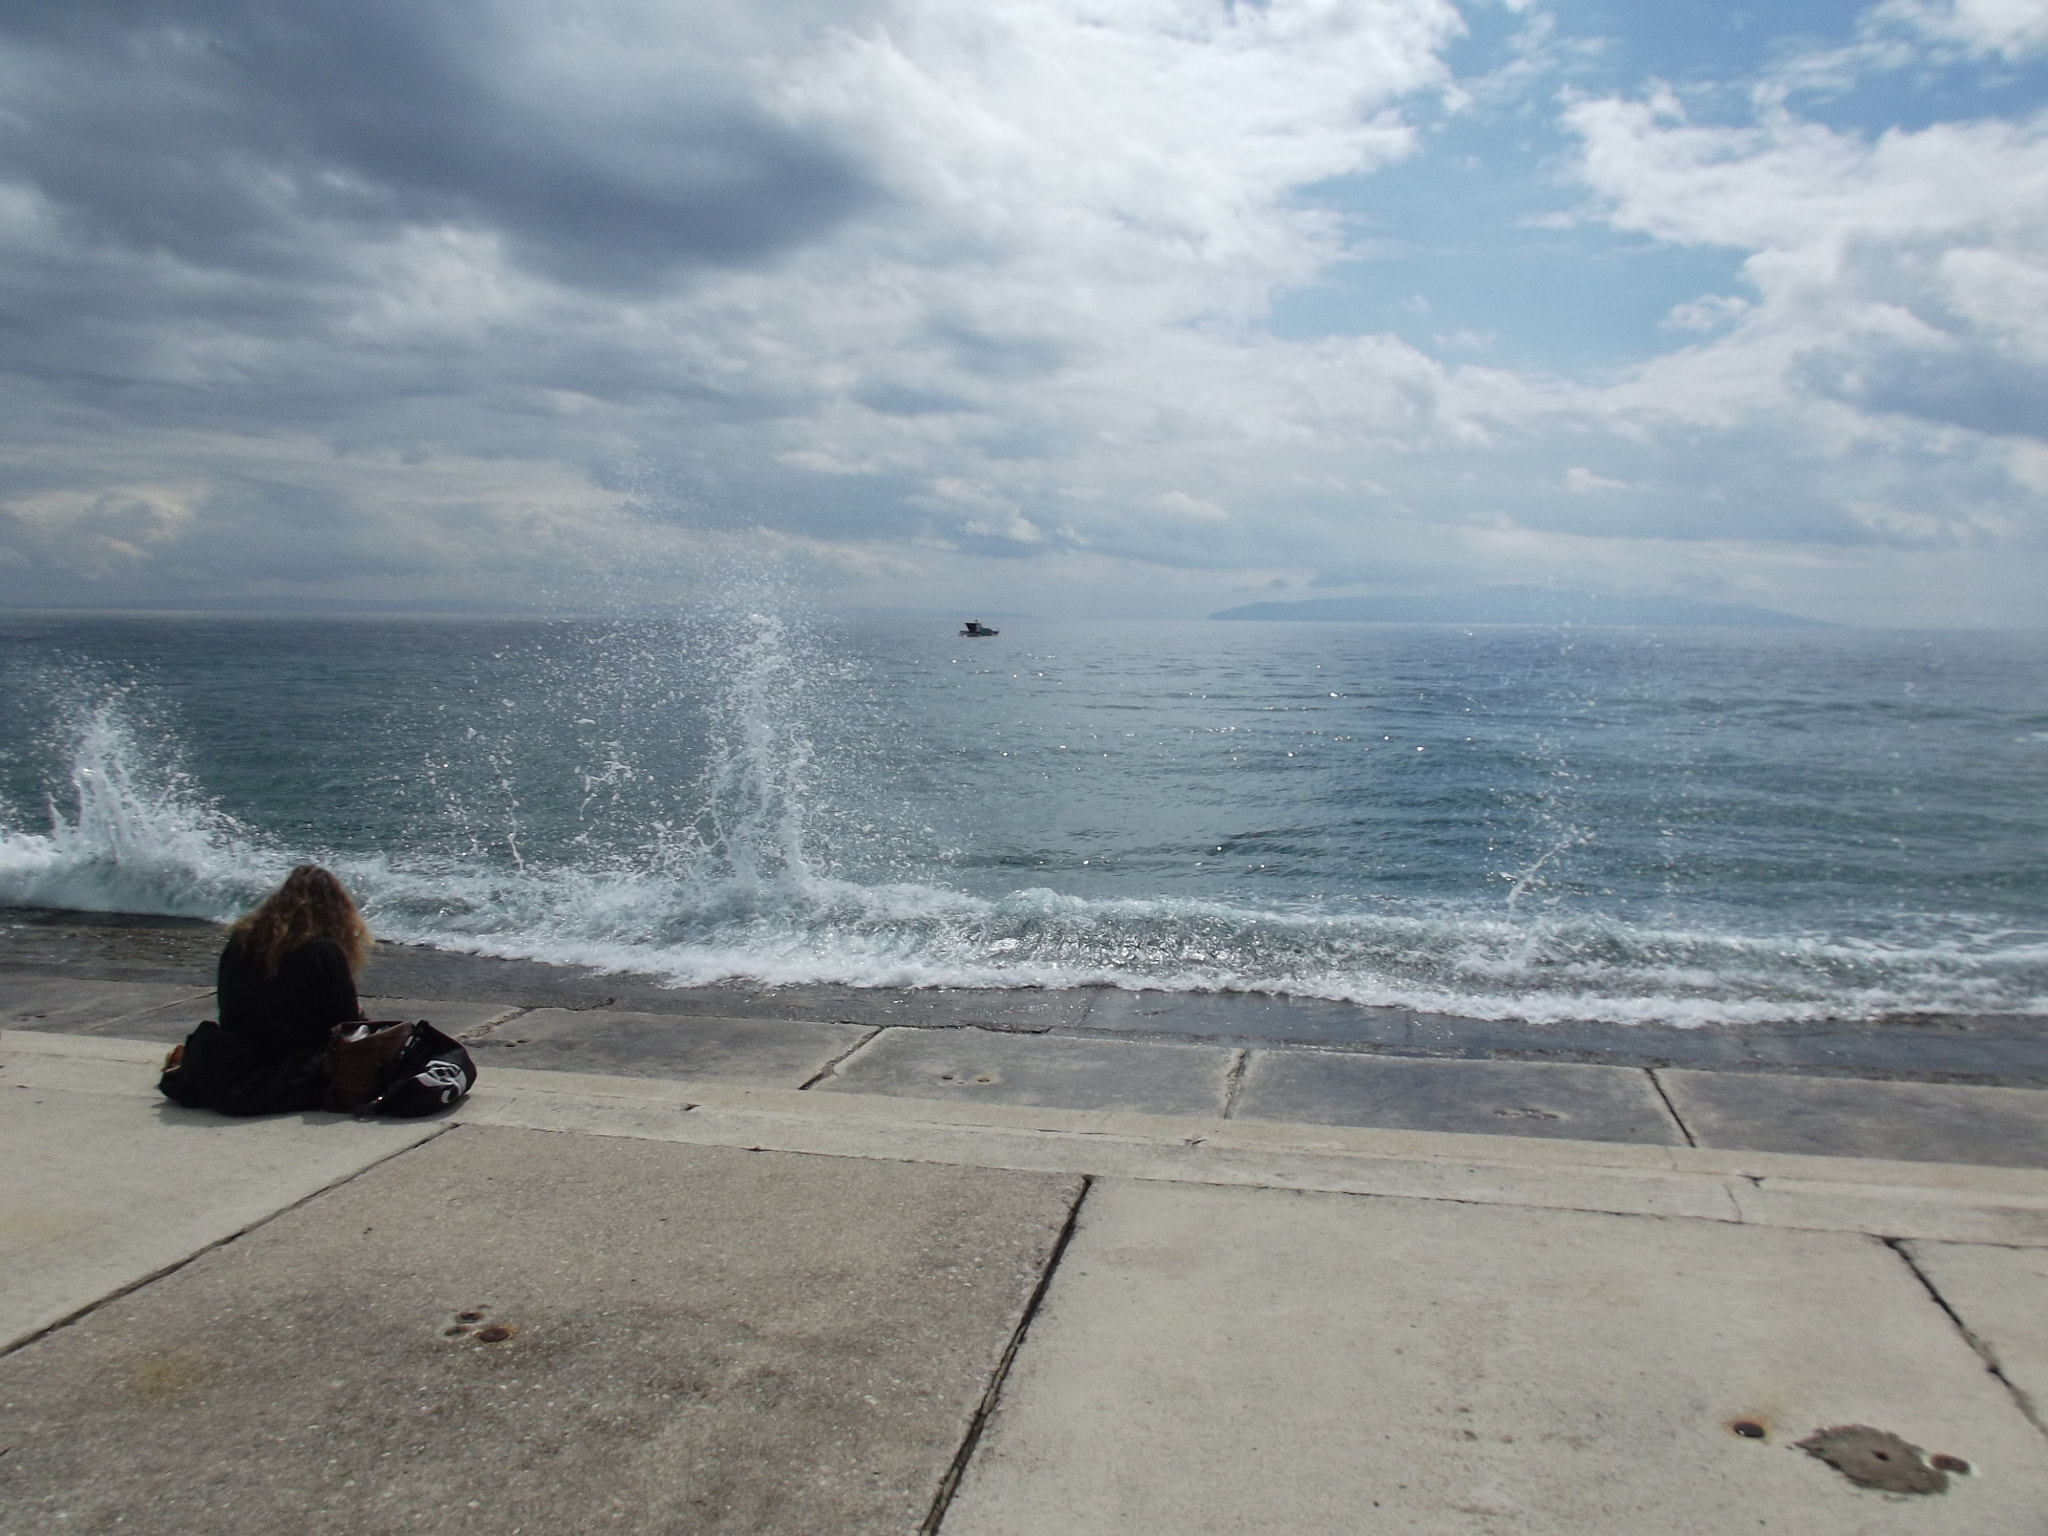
(1488, 1098)
(97, 946)
(1238, 1015)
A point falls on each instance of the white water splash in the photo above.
(132, 833)
(755, 788)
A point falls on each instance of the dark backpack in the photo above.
(418, 1070)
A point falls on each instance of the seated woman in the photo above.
(286, 978)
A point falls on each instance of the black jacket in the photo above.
(291, 1012)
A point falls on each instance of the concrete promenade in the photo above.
(826, 1261)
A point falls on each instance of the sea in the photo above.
(1678, 826)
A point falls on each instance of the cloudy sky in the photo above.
(1059, 306)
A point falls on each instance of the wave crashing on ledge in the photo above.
(742, 797)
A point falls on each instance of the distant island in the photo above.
(1526, 605)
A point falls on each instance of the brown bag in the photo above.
(356, 1054)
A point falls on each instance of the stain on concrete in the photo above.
(165, 1376)
(1875, 1458)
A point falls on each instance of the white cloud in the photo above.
(1791, 185)
(1124, 160)
(1886, 386)
(1013, 308)
(1074, 216)
(2002, 294)
(1899, 275)
(2009, 28)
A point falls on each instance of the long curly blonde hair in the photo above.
(311, 904)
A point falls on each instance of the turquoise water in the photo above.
(1682, 825)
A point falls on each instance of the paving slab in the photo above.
(1503, 1098)
(1991, 1048)
(1215, 1360)
(699, 1340)
(2001, 1296)
(77, 1005)
(1245, 1015)
(1858, 1117)
(1003, 1068)
(103, 1183)
(786, 1051)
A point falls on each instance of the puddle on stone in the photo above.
(1876, 1458)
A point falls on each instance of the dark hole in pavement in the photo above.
(449, 1333)
(497, 1333)
(1954, 1464)
(469, 1317)
(1875, 1458)
(1749, 1429)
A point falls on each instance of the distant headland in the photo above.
(1526, 605)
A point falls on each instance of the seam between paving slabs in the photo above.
(1095, 995)
(1670, 1108)
(831, 1068)
(518, 1012)
(30, 1020)
(942, 1501)
(199, 1253)
(2020, 1397)
(1233, 1080)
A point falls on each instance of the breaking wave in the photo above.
(718, 875)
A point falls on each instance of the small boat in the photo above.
(978, 631)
